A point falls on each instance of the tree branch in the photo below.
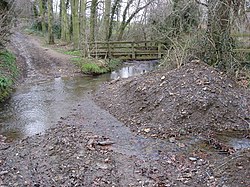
(200, 3)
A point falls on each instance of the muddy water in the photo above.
(38, 105)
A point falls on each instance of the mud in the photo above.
(92, 147)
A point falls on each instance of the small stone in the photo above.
(103, 143)
(4, 172)
(163, 77)
(146, 130)
(211, 178)
(192, 158)
(187, 175)
(181, 145)
(172, 139)
(102, 166)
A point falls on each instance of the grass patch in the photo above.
(8, 73)
(93, 69)
(91, 66)
(73, 53)
(77, 59)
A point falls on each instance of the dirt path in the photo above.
(90, 147)
(39, 62)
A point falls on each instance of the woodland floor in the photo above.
(163, 128)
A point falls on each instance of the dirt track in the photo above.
(91, 147)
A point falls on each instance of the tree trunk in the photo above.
(65, 35)
(107, 19)
(218, 31)
(50, 22)
(83, 22)
(75, 22)
(92, 20)
(126, 22)
(63, 12)
(42, 15)
(113, 10)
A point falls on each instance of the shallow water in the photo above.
(37, 105)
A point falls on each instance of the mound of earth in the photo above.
(233, 171)
(195, 98)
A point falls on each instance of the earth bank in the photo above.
(193, 99)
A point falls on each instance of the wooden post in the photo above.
(108, 52)
(159, 50)
(133, 50)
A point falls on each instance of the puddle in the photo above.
(239, 144)
(238, 140)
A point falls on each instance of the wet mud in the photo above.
(88, 143)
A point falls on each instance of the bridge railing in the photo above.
(244, 38)
(127, 50)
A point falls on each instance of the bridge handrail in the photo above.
(123, 42)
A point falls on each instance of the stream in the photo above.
(37, 105)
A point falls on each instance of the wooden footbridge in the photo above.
(127, 50)
(139, 50)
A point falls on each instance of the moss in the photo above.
(8, 73)
(93, 69)
(73, 53)
(95, 66)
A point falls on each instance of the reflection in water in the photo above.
(35, 108)
(238, 143)
(38, 105)
(135, 69)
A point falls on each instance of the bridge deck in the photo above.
(127, 50)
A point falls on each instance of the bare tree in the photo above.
(83, 23)
(50, 22)
(126, 19)
(42, 14)
(65, 35)
(221, 15)
(75, 22)
(93, 17)
(106, 19)
(114, 9)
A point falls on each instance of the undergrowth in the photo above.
(74, 53)
(8, 73)
(92, 66)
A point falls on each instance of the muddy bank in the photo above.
(193, 99)
(86, 151)
(37, 62)
(91, 147)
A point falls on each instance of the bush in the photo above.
(6, 16)
(93, 66)
(113, 64)
(93, 69)
(8, 73)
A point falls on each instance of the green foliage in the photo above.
(93, 66)
(8, 73)
(8, 66)
(73, 53)
(57, 30)
(76, 59)
(113, 64)
(5, 87)
(93, 69)
(36, 28)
